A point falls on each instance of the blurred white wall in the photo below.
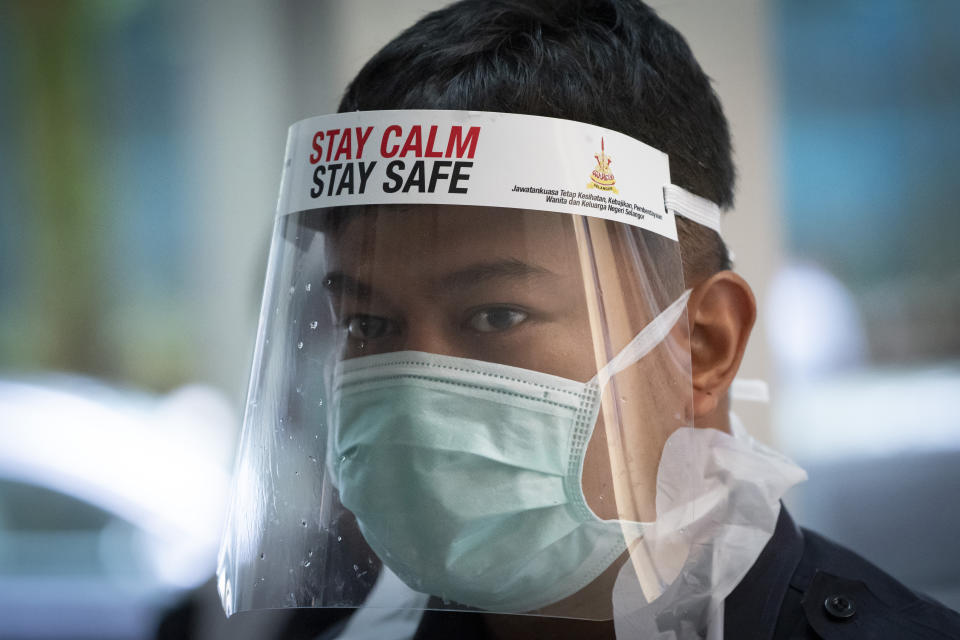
(238, 110)
(731, 40)
(255, 70)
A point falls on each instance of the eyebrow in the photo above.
(339, 283)
(482, 272)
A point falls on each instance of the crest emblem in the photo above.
(602, 177)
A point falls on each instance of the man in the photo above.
(433, 298)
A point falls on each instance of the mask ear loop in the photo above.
(644, 342)
(681, 202)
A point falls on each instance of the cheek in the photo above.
(557, 342)
(552, 352)
(597, 478)
(567, 353)
(620, 469)
(623, 455)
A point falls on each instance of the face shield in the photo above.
(471, 387)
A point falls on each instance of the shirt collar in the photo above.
(755, 603)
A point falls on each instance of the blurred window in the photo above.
(27, 507)
(48, 533)
(94, 176)
(863, 320)
(871, 146)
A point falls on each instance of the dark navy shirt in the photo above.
(804, 586)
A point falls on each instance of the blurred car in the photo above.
(111, 504)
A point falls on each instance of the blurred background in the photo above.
(140, 154)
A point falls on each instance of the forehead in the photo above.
(392, 237)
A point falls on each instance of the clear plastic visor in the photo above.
(456, 407)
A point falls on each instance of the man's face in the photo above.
(487, 284)
(502, 286)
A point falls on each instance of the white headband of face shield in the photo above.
(485, 159)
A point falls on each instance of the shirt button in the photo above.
(840, 607)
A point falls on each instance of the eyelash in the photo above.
(354, 324)
(488, 311)
(360, 319)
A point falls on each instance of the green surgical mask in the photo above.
(464, 476)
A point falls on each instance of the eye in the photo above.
(363, 327)
(496, 319)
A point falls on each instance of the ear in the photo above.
(721, 312)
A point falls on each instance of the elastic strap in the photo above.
(681, 202)
(750, 390)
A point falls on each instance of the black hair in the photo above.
(612, 63)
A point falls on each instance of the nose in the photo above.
(430, 337)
